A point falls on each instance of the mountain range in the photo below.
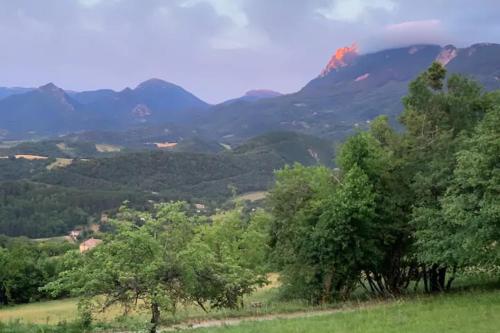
(352, 89)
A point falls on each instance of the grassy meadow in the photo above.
(474, 306)
(463, 312)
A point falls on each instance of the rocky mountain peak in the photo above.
(341, 58)
(447, 54)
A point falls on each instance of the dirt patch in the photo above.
(31, 157)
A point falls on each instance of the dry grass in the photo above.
(50, 312)
(104, 148)
(60, 163)
(53, 312)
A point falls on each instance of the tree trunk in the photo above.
(327, 288)
(451, 279)
(437, 278)
(426, 281)
(155, 317)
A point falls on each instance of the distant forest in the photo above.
(38, 202)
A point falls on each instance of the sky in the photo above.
(217, 49)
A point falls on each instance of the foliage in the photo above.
(27, 266)
(162, 258)
(225, 260)
(36, 202)
(403, 207)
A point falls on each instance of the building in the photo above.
(89, 244)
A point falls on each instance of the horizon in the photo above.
(245, 93)
(215, 49)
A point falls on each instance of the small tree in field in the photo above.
(159, 259)
(134, 267)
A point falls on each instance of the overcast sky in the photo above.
(217, 49)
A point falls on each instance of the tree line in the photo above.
(403, 208)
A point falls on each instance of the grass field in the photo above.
(467, 312)
(253, 196)
(53, 312)
(475, 310)
(50, 312)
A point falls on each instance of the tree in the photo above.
(437, 118)
(25, 267)
(344, 236)
(403, 206)
(470, 229)
(162, 258)
(136, 263)
(296, 202)
(226, 259)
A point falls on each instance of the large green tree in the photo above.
(160, 258)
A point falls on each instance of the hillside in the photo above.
(49, 110)
(38, 201)
(350, 92)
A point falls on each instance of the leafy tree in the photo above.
(295, 202)
(403, 206)
(136, 263)
(344, 236)
(162, 258)
(226, 259)
(437, 118)
(27, 266)
(469, 231)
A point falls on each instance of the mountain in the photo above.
(255, 95)
(5, 91)
(348, 93)
(151, 102)
(49, 110)
(352, 90)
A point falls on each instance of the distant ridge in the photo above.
(255, 95)
(152, 101)
(353, 89)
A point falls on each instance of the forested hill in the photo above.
(38, 201)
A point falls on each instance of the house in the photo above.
(89, 244)
(74, 234)
(200, 206)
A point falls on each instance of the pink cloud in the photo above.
(415, 32)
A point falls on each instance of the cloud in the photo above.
(216, 48)
(352, 10)
(408, 33)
